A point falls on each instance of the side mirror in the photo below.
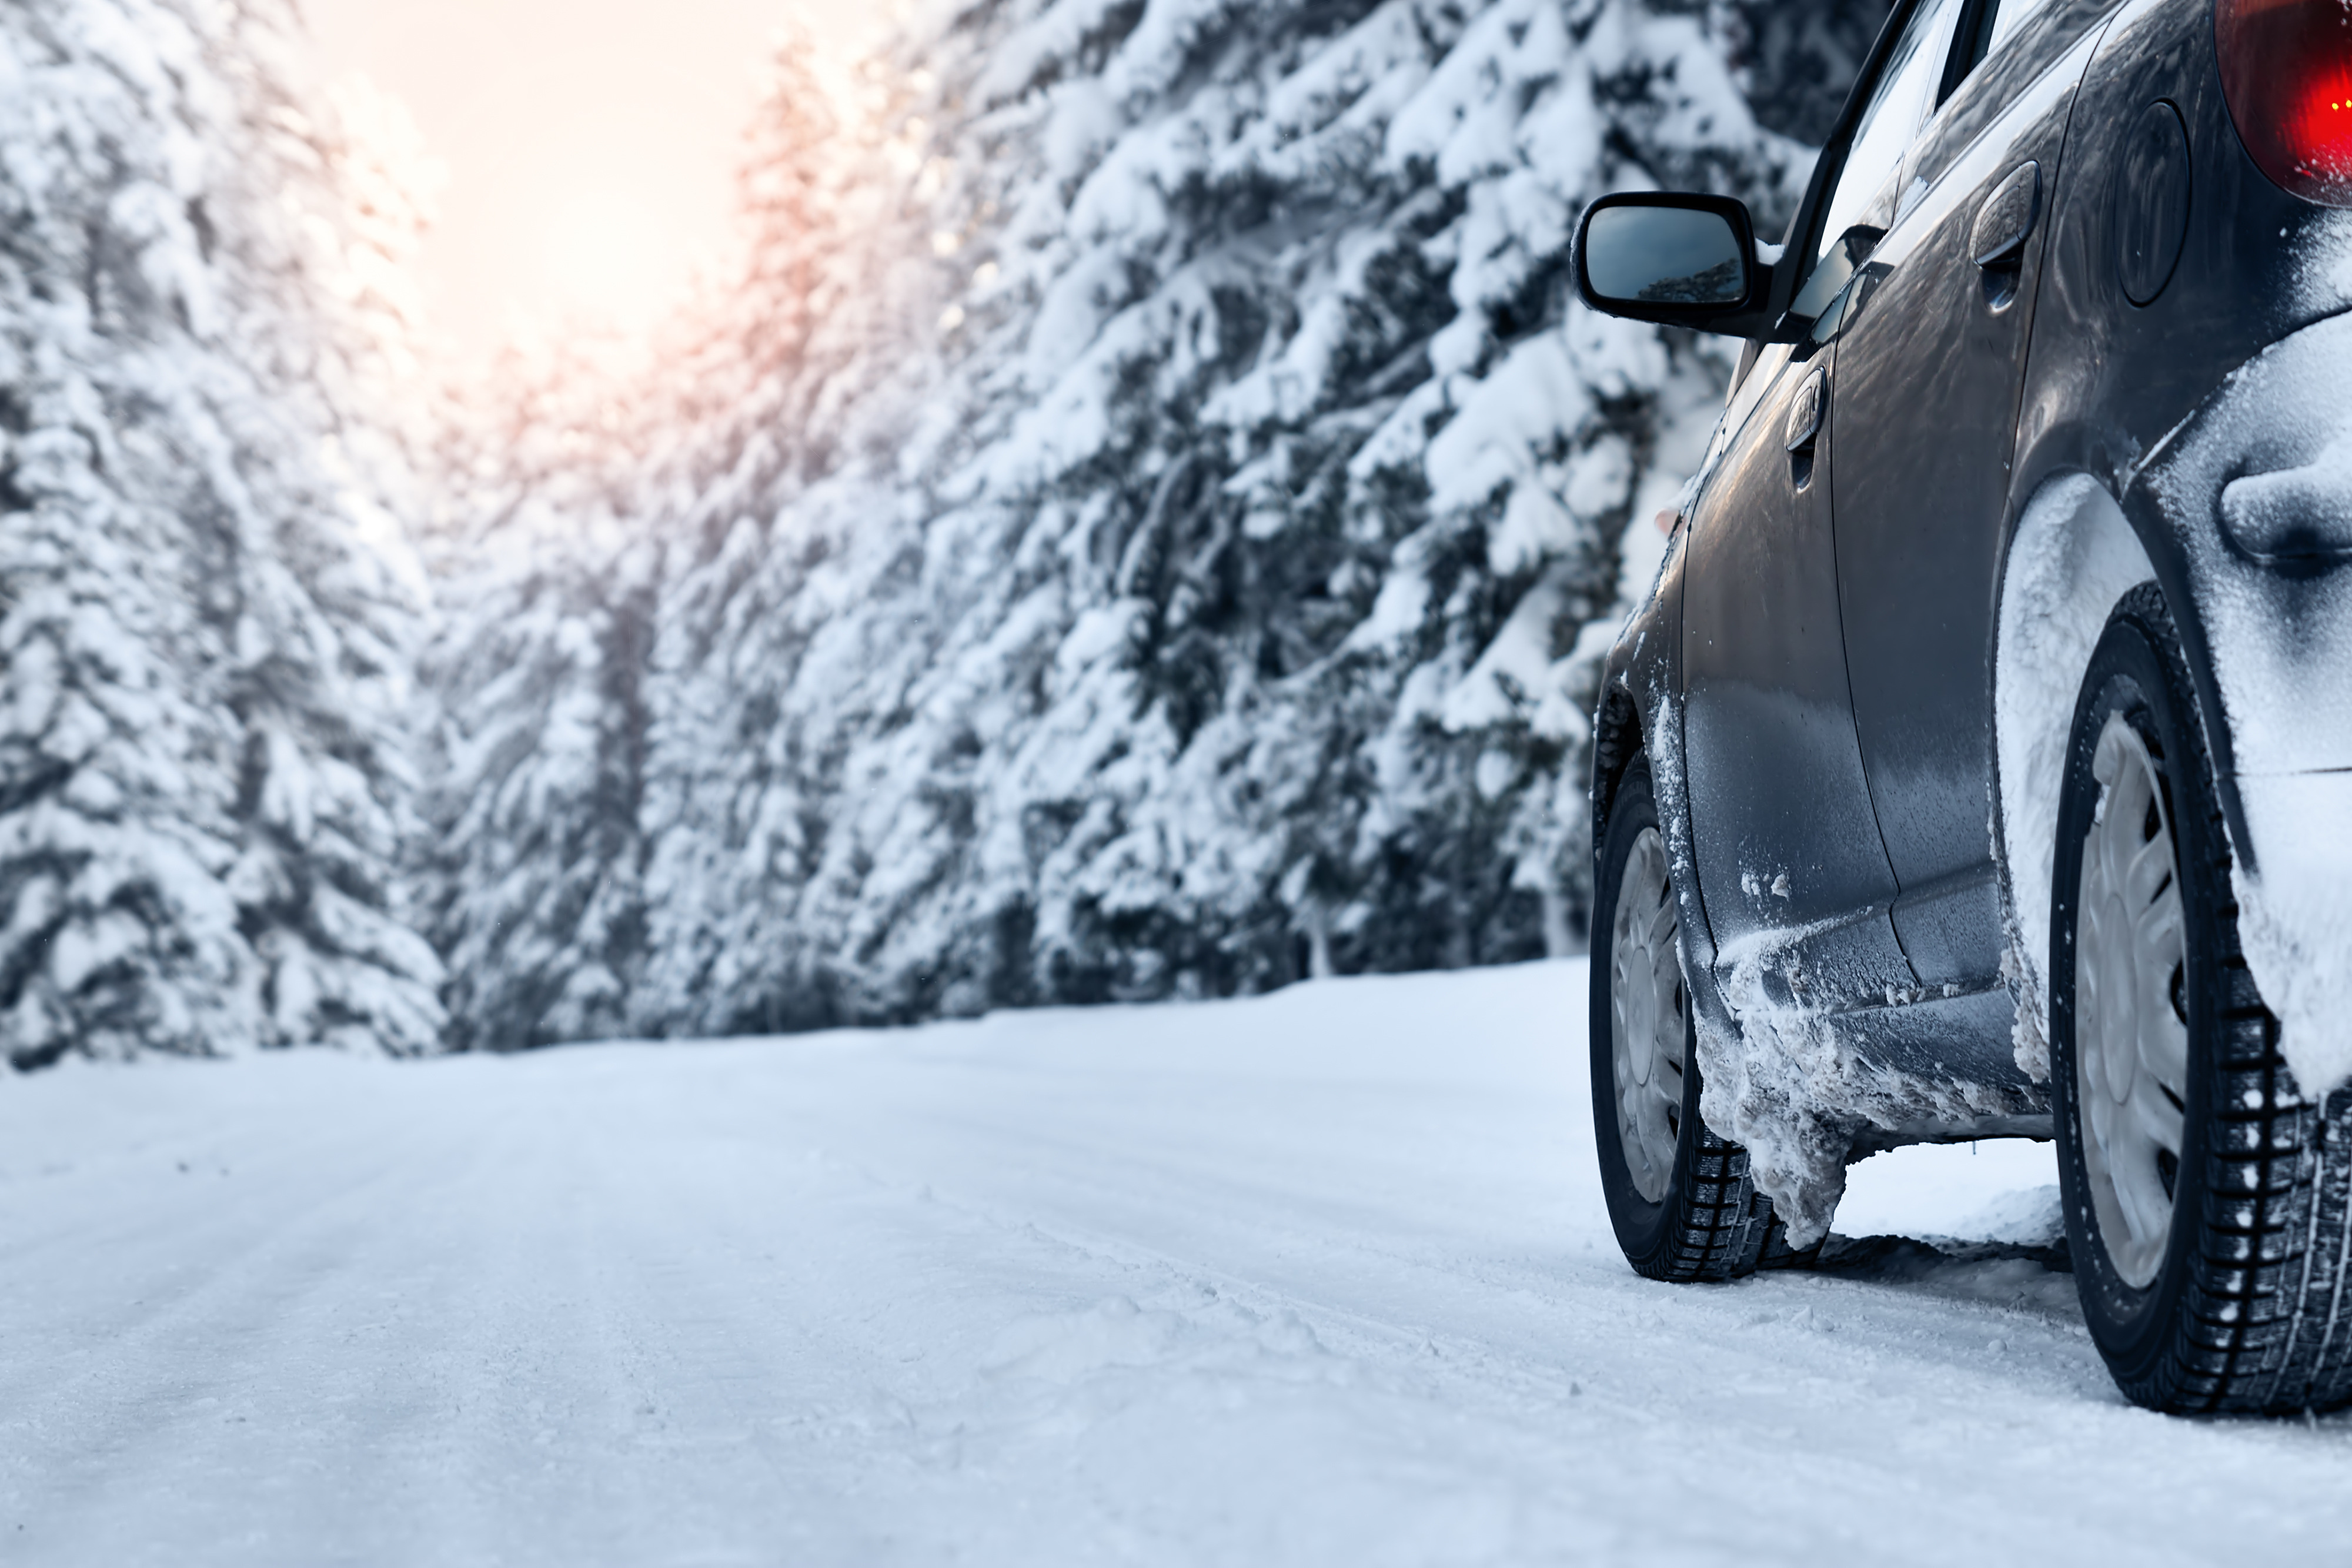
(1679, 260)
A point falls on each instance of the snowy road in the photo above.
(1319, 1279)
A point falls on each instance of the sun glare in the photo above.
(611, 254)
(590, 144)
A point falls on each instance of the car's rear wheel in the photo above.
(2205, 1200)
(1680, 1198)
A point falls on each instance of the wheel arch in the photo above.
(2072, 558)
(1617, 740)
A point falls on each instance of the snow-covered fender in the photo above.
(2256, 486)
(2243, 516)
(1640, 715)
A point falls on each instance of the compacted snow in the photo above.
(1320, 1278)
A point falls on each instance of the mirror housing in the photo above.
(1675, 260)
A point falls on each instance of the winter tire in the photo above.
(1679, 1198)
(2205, 1200)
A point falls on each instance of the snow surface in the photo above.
(1319, 1277)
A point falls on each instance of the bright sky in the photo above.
(590, 144)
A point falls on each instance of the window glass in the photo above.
(1995, 24)
(2008, 16)
(1896, 106)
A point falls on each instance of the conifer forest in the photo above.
(1139, 519)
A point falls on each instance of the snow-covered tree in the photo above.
(574, 472)
(1797, 61)
(537, 753)
(207, 610)
(1152, 510)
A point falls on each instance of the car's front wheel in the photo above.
(1680, 1198)
(2206, 1198)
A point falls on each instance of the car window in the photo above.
(1995, 22)
(2008, 16)
(1897, 107)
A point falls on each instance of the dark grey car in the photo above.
(1981, 765)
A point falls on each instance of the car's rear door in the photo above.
(1930, 360)
(1794, 879)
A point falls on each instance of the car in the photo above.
(1981, 763)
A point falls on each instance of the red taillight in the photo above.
(2286, 66)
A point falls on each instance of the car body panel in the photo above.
(2110, 380)
(1766, 703)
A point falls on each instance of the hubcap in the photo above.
(2131, 1026)
(1647, 1022)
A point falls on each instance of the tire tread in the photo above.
(2266, 1324)
(1725, 1223)
(1718, 1226)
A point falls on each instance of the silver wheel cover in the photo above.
(1647, 1018)
(2131, 1039)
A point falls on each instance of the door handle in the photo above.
(2005, 222)
(1807, 412)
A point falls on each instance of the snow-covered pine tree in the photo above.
(1162, 514)
(1796, 60)
(586, 462)
(536, 755)
(207, 608)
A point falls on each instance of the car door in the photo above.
(1787, 847)
(1930, 360)
(1788, 852)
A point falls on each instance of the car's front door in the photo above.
(1930, 360)
(1790, 868)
